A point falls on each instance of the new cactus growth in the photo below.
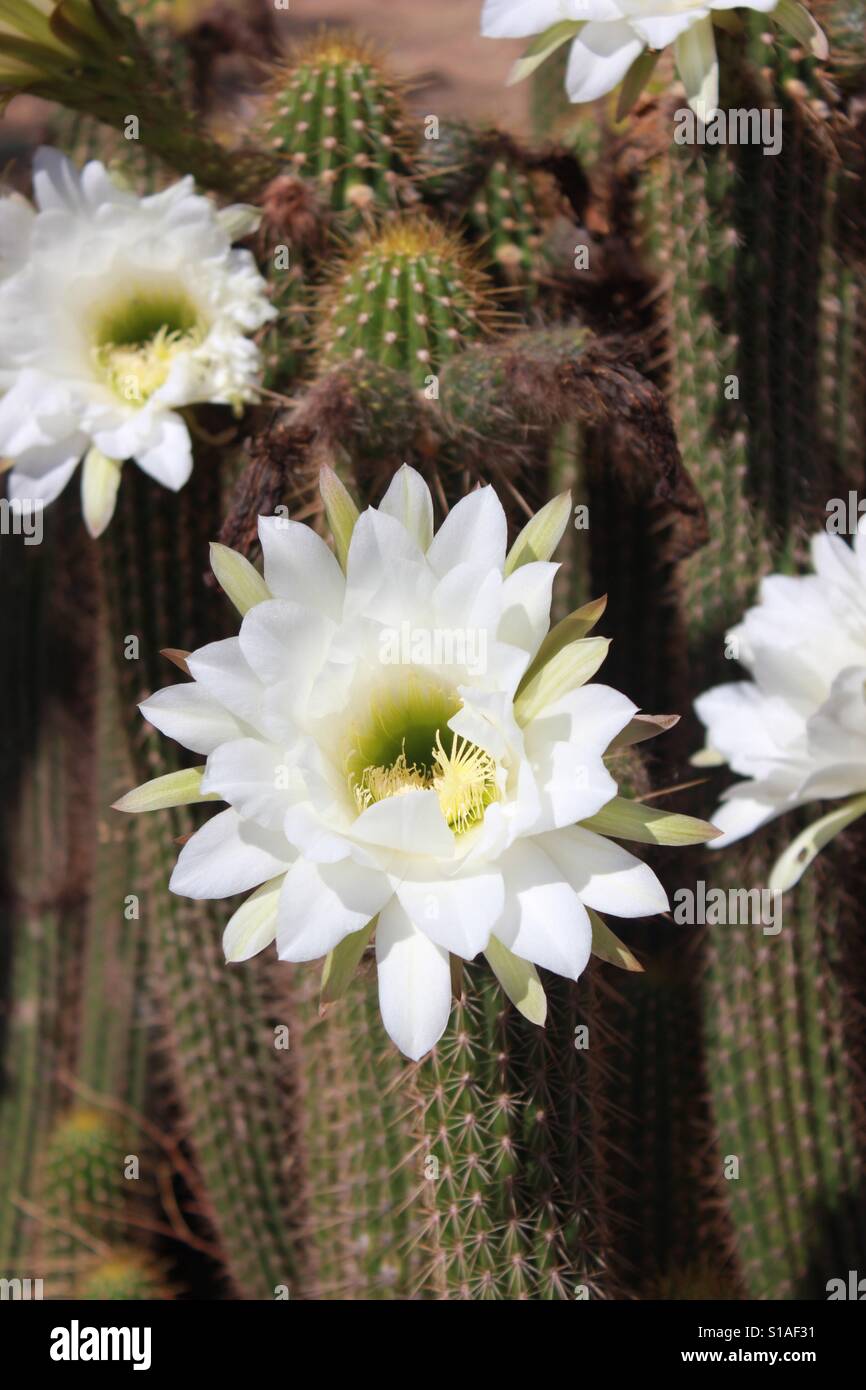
(409, 297)
(474, 177)
(337, 118)
(83, 1189)
(504, 215)
(123, 1275)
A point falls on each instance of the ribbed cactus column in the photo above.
(759, 318)
(49, 637)
(358, 1143)
(410, 297)
(230, 1054)
(336, 117)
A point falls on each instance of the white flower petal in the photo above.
(42, 474)
(168, 458)
(659, 30)
(474, 532)
(251, 776)
(224, 673)
(751, 730)
(377, 541)
(254, 925)
(544, 920)
(192, 717)
(603, 874)
(228, 855)
(320, 904)
(698, 66)
(38, 413)
(408, 501)
(516, 19)
(414, 983)
(565, 745)
(299, 565)
(56, 183)
(315, 837)
(600, 57)
(457, 913)
(284, 642)
(739, 815)
(834, 561)
(411, 823)
(526, 596)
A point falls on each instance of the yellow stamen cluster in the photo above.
(135, 371)
(377, 783)
(464, 780)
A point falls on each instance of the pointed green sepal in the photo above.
(340, 510)
(635, 80)
(239, 580)
(633, 820)
(571, 629)
(181, 788)
(796, 20)
(254, 925)
(541, 534)
(573, 666)
(642, 727)
(519, 979)
(541, 48)
(100, 479)
(795, 860)
(608, 947)
(341, 963)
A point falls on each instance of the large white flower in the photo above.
(115, 312)
(608, 37)
(798, 730)
(405, 741)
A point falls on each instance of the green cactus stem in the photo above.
(335, 116)
(409, 297)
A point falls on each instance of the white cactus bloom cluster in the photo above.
(797, 730)
(613, 41)
(116, 312)
(454, 805)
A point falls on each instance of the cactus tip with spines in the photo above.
(409, 297)
(337, 115)
(123, 1275)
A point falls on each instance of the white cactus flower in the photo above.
(797, 730)
(404, 746)
(115, 313)
(610, 37)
